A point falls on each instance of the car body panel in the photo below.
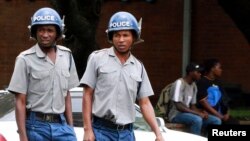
(8, 127)
(9, 131)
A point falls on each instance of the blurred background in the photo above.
(176, 32)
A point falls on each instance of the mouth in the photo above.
(121, 46)
(45, 43)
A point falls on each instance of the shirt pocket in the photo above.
(107, 76)
(40, 81)
(135, 83)
(65, 75)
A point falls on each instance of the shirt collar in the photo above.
(131, 58)
(39, 52)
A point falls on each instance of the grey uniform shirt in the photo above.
(45, 83)
(115, 85)
(182, 92)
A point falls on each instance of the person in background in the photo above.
(41, 80)
(183, 100)
(211, 95)
(113, 80)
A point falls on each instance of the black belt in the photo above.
(46, 117)
(111, 125)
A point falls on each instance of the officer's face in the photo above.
(46, 35)
(123, 41)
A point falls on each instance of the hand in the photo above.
(88, 135)
(159, 138)
(225, 117)
(22, 136)
(203, 114)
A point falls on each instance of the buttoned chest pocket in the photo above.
(64, 79)
(135, 81)
(40, 81)
(108, 76)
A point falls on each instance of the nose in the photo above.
(45, 33)
(121, 38)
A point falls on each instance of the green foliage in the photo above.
(158, 113)
(241, 113)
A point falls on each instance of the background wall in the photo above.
(14, 19)
(213, 34)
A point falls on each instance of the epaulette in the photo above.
(63, 48)
(100, 50)
(28, 51)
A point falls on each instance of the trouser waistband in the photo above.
(55, 118)
(111, 125)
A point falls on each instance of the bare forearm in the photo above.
(149, 115)
(20, 111)
(68, 109)
(183, 108)
(87, 109)
(210, 109)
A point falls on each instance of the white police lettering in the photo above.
(120, 24)
(44, 18)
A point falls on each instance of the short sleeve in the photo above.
(177, 91)
(145, 86)
(19, 79)
(90, 75)
(74, 79)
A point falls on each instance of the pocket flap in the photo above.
(40, 74)
(65, 73)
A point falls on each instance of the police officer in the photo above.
(112, 82)
(41, 80)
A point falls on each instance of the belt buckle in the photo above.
(48, 118)
(120, 127)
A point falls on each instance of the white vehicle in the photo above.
(141, 128)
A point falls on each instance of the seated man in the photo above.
(211, 95)
(183, 100)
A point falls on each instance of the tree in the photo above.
(81, 20)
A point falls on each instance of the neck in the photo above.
(210, 76)
(122, 56)
(189, 80)
(48, 49)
